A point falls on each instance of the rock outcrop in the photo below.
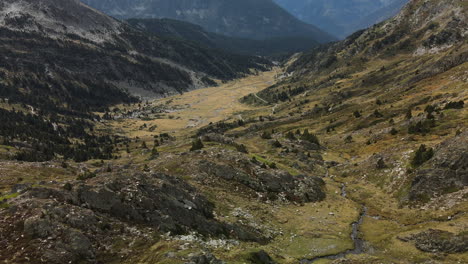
(446, 172)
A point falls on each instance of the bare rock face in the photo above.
(446, 172)
(434, 240)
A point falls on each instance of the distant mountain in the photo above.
(259, 19)
(190, 32)
(342, 17)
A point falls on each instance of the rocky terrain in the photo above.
(354, 152)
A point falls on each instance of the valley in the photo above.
(352, 152)
(358, 220)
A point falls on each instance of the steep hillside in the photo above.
(356, 153)
(342, 17)
(62, 59)
(261, 19)
(386, 91)
(190, 32)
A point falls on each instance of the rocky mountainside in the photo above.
(260, 19)
(63, 59)
(342, 17)
(190, 32)
(354, 152)
(174, 64)
(402, 77)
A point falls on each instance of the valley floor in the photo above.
(296, 231)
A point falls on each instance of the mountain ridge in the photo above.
(342, 17)
(261, 19)
(191, 32)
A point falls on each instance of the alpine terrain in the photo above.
(152, 140)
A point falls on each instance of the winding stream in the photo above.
(355, 236)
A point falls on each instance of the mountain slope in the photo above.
(342, 17)
(389, 89)
(260, 19)
(357, 154)
(57, 65)
(190, 32)
(60, 26)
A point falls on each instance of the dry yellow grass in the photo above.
(198, 108)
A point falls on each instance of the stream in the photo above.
(355, 236)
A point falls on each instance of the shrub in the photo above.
(378, 114)
(266, 135)
(310, 137)
(421, 127)
(68, 186)
(381, 164)
(409, 114)
(422, 155)
(197, 145)
(290, 135)
(241, 148)
(277, 144)
(454, 105)
(349, 139)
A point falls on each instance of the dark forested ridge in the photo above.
(259, 19)
(170, 28)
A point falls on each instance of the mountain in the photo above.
(260, 19)
(396, 89)
(170, 28)
(62, 59)
(342, 17)
(353, 152)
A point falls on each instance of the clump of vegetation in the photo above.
(290, 136)
(349, 139)
(277, 144)
(310, 137)
(421, 127)
(266, 135)
(377, 114)
(409, 114)
(197, 144)
(154, 152)
(455, 105)
(381, 164)
(422, 155)
(241, 148)
(68, 186)
(86, 175)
